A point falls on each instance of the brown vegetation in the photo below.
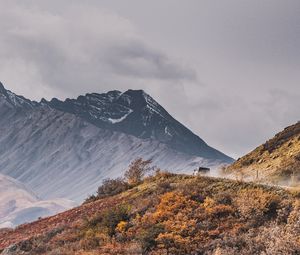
(170, 214)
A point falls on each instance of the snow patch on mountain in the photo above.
(113, 121)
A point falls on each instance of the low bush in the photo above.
(257, 205)
(111, 187)
(107, 221)
(147, 237)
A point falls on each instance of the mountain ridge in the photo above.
(45, 147)
(133, 112)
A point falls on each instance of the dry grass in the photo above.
(171, 214)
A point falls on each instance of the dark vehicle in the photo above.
(201, 170)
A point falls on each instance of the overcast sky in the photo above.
(229, 69)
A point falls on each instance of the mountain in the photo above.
(65, 149)
(277, 160)
(9, 100)
(18, 204)
(136, 113)
(169, 214)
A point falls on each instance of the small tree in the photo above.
(137, 170)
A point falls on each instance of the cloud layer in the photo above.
(79, 49)
(228, 70)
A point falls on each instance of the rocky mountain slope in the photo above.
(18, 204)
(169, 214)
(65, 149)
(277, 160)
(135, 112)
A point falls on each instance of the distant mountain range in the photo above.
(18, 204)
(66, 148)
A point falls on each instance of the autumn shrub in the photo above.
(163, 187)
(175, 214)
(91, 240)
(268, 239)
(257, 205)
(111, 187)
(89, 199)
(294, 217)
(216, 210)
(279, 240)
(147, 236)
(284, 238)
(224, 198)
(174, 243)
(103, 226)
(160, 177)
(172, 203)
(194, 192)
(284, 211)
(118, 248)
(225, 251)
(163, 174)
(112, 217)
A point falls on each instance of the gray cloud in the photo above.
(75, 51)
(138, 61)
(246, 54)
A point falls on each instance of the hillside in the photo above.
(170, 214)
(65, 149)
(277, 160)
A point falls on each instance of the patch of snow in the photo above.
(96, 108)
(114, 121)
(167, 132)
(152, 109)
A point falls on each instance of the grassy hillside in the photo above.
(276, 160)
(170, 214)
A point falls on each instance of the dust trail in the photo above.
(291, 182)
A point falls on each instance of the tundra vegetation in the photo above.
(164, 213)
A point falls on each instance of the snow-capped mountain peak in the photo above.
(133, 112)
(136, 113)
